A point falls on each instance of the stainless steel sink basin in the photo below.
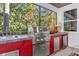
(12, 38)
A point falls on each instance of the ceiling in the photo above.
(58, 5)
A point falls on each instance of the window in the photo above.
(48, 18)
(1, 18)
(70, 20)
(23, 14)
(44, 16)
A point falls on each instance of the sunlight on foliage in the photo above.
(23, 14)
(1, 18)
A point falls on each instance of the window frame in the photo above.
(45, 8)
(72, 20)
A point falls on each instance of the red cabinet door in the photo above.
(7, 47)
(26, 48)
(60, 42)
(51, 45)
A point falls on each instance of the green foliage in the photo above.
(1, 18)
(22, 14)
(48, 18)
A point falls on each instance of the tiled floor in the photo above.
(66, 52)
(12, 53)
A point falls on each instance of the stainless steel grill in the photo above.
(41, 41)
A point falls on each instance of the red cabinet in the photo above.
(61, 42)
(7, 47)
(56, 45)
(51, 45)
(26, 48)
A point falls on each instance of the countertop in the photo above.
(7, 39)
(59, 33)
(14, 38)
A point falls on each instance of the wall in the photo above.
(73, 37)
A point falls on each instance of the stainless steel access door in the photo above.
(56, 44)
(41, 50)
(44, 49)
(65, 41)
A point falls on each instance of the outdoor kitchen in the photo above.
(38, 29)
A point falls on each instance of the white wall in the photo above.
(73, 37)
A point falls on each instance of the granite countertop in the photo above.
(7, 39)
(14, 38)
(59, 33)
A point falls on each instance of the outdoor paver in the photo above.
(66, 52)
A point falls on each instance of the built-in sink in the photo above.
(13, 37)
(5, 39)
